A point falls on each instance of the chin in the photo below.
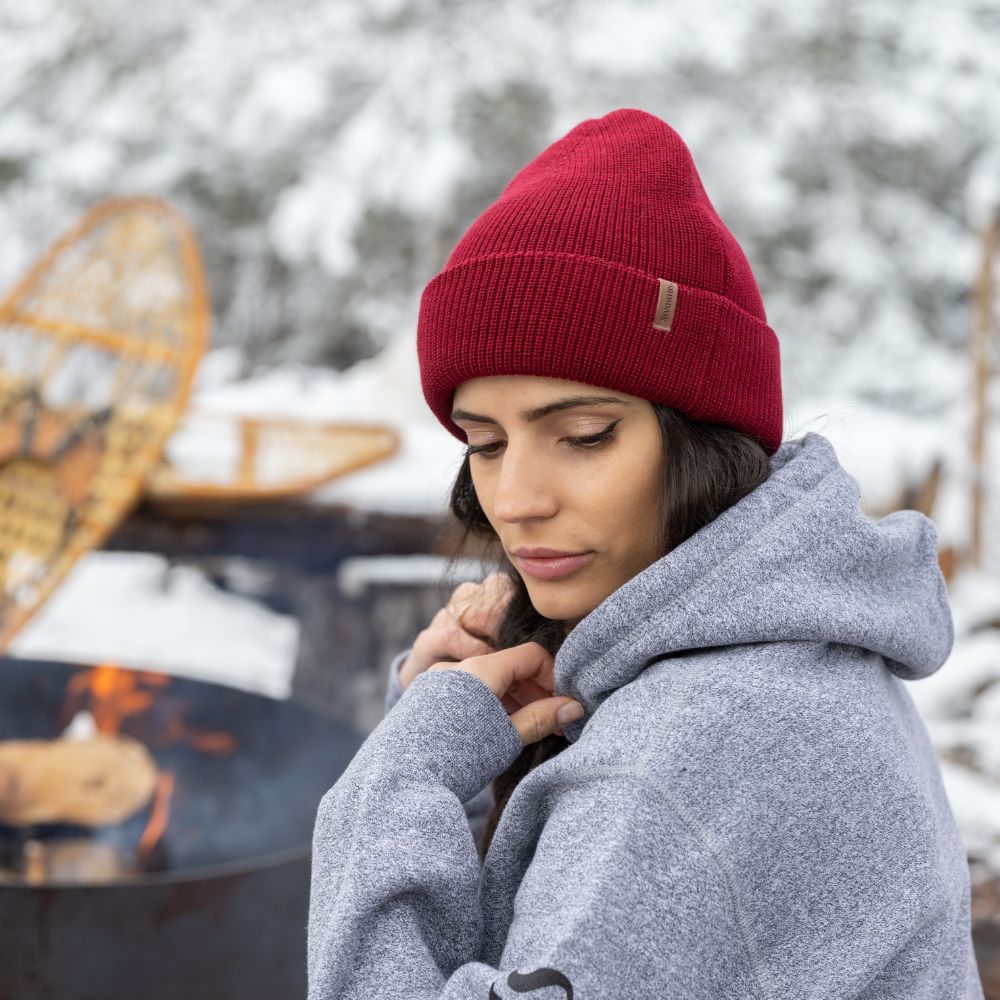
(550, 603)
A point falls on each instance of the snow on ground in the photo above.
(129, 608)
(135, 610)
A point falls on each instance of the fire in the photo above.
(115, 696)
(159, 817)
(207, 742)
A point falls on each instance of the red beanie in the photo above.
(604, 262)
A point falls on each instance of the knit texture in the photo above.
(750, 808)
(563, 276)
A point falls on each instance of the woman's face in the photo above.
(541, 486)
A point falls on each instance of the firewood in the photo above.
(89, 782)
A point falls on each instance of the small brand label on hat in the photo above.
(665, 304)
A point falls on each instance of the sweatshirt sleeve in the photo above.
(480, 805)
(393, 689)
(618, 899)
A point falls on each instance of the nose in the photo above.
(524, 486)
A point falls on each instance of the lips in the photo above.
(550, 564)
(541, 552)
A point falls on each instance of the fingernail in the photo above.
(569, 712)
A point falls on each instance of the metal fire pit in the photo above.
(221, 910)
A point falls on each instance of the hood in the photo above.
(796, 559)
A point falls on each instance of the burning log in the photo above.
(92, 782)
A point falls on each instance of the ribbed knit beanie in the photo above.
(603, 261)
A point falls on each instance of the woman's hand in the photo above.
(466, 627)
(521, 677)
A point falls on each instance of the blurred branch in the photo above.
(982, 337)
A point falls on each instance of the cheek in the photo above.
(637, 507)
(602, 494)
(623, 498)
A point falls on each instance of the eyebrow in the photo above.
(543, 411)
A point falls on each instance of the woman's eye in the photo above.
(481, 449)
(591, 441)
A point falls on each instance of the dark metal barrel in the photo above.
(223, 913)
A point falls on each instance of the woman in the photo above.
(748, 805)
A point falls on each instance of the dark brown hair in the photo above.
(706, 469)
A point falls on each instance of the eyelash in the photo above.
(588, 443)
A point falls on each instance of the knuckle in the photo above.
(472, 620)
(482, 648)
(537, 726)
(430, 641)
(458, 637)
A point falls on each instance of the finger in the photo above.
(510, 704)
(462, 644)
(445, 619)
(449, 643)
(524, 697)
(479, 622)
(495, 585)
(463, 593)
(483, 609)
(499, 584)
(480, 605)
(496, 592)
(539, 719)
(482, 627)
(527, 691)
(483, 616)
(442, 619)
(499, 670)
(530, 662)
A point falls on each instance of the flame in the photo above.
(159, 816)
(114, 694)
(217, 742)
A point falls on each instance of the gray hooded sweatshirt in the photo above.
(749, 808)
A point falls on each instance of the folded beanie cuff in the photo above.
(585, 319)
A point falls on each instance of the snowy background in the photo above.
(329, 155)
